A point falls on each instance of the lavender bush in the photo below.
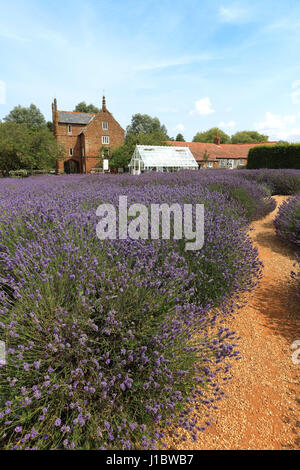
(109, 342)
(296, 274)
(287, 222)
(284, 182)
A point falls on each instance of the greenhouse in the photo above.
(161, 158)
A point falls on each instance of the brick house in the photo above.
(219, 155)
(86, 137)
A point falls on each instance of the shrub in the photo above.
(287, 222)
(296, 274)
(284, 182)
(109, 342)
(274, 156)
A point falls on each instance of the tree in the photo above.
(22, 147)
(50, 126)
(247, 137)
(86, 108)
(122, 155)
(210, 136)
(145, 124)
(31, 116)
(206, 156)
(180, 138)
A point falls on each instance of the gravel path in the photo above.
(262, 410)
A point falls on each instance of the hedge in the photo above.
(274, 156)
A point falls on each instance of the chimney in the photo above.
(55, 117)
(217, 140)
(103, 104)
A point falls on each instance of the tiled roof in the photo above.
(68, 117)
(216, 152)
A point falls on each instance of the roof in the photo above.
(165, 156)
(69, 117)
(215, 152)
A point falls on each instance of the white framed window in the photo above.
(209, 164)
(105, 125)
(69, 129)
(105, 139)
(71, 152)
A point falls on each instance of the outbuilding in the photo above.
(161, 158)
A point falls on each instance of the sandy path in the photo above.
(262, 410)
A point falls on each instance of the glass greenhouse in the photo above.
(161, 158)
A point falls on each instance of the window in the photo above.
(82, 151)
(69, 129)
(209, 164)
(71, 152)
(105, 126)
(105, 139)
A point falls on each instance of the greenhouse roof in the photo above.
(165, 156)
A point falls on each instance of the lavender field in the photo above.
(109, 343)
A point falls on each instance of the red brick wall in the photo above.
(94, 132)
(91, 140)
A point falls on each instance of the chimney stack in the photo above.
(217, 140)
(103, 104)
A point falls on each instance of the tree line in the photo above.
(27, 140)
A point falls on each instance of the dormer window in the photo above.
(105, 125)
(69, 129)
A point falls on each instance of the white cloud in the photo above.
(203, 107)
(296, 93)
(179, 127)
(184, 60)
(228, 125)
(233, 14)
(2, 92)
(166, 109)
(12, 36)
(278, 127)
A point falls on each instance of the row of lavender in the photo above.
(287, 226)
(109, 342)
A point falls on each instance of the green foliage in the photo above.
(210, 135)
(180, 138)
(82, 107)
(22, 147)
(50, 126)
(31, 116)
(274, 156)
(122, 155)
(145, 124)
(246, 137)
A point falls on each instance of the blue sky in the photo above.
(193, 63)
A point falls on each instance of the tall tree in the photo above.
(31, 116)
(22, 147)
(86, 108)
(247, 137)
(210, 136)
(180, 138)
(145, 124)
